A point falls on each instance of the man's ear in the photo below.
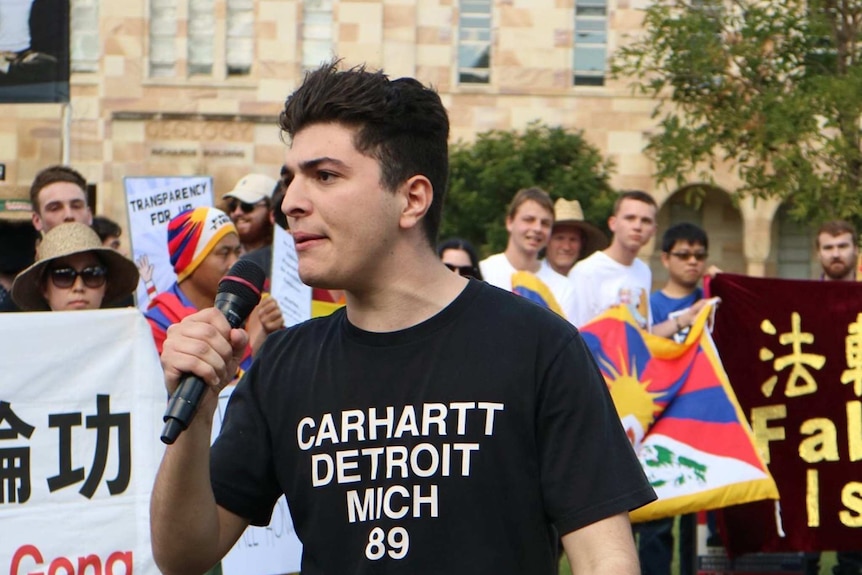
(37, 222)
(418, 195)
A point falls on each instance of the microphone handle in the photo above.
(185, 400)
(182, 407)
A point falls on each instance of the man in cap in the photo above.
(17, 240)
(572, 238)
(59, 194)
(248, 205)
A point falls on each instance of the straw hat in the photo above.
(569, 213)
(68, 239)
(15, 204)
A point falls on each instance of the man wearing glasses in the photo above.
(248, 205)
(684, 249)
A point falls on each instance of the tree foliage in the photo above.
(771, 88)
(486, 174)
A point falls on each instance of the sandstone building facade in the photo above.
(184, 87)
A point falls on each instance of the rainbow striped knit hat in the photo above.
(192, 235)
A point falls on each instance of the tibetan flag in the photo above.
(529, 286)
(679, 410)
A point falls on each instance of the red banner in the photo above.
(793, 353)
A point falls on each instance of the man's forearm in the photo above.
(184, 519)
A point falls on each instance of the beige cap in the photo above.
(252, 188)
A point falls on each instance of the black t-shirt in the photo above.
(453, 446)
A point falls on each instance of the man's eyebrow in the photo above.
(315, 162)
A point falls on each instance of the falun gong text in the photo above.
(16, 480)
(799, 369)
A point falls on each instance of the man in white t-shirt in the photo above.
(529, 220)
(615, 275)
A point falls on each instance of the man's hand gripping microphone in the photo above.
(238, 294)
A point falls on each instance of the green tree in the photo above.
(486, 174)
(771, 88)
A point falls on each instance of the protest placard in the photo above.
(151, 203)
(293, 296)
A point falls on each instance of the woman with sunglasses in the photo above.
(460, 256)
(73, 271)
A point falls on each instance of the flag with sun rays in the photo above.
(682, 417)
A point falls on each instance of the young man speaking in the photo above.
(433, 425)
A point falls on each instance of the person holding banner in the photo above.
(434, 424)
(684, 249)
(615, 275)
(74, 271)
(838, 250)
(59, 194)
(837, 244)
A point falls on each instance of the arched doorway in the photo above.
(714, 211)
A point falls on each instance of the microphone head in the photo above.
(242, 285)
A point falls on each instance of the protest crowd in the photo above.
(427, 385)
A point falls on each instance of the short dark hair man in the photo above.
(59, 194)
(615, 275)
(412, 431)
(684, 250)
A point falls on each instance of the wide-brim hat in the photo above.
(68, 239)
(569, 213)
(15, 204)
(252, 188)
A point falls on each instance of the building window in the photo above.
(317, 38)
(474, 42)
(591, 42)
(163, 36)
(215, 48)
(201, 37)
(84, 42)
(239, 52)
(793, 246)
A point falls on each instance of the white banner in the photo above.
(80, 415)
(151, 203)
(293, 296)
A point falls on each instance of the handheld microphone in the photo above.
(238, 294)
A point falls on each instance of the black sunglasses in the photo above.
(685, 256)
(466, 271)
(92, 276)
(244, 206)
